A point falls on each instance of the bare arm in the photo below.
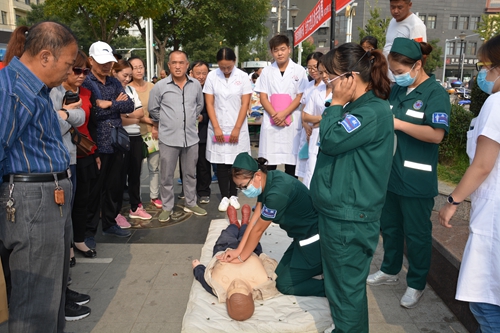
(242, 114)
(420, 132)
(210, 104)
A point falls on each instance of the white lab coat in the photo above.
(314, 107)
(300, 169)
(479, 278)
(227, 105)
(280, 145)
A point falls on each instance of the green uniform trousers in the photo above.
(405, 218)
(347, 249)
(298, 281)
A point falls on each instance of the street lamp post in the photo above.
(294, 11)
(350, 12)
(461, 63)
(278, 9)
(446, 51)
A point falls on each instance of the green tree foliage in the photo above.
(489, 26)
(307, 49)
(376, 26)
(478, 97)
(434, 59)
(205, 48)
(129, 46)
(453, 145)
(256, 50)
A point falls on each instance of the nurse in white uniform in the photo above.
(479, 278)
(319, 100)
(227, 96)
(279, 139)
(312, 69)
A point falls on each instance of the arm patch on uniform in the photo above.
(350, 123)
(440, 118)
(268, 213)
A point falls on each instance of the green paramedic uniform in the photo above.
(348, 190)
(413, 182)
(286, 201)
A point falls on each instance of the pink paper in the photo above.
(280, 102)
(226, 138)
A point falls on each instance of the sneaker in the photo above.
(380, 277)
(245, 214)
(140, 213)
(232, 215)
(73, 311)
(116, 231)
(233, 201)
(204, 199)
(196, 210)
(122, 222)
(164, 216)
(224, 203)
(214, 178)
(179, 181)
(156, 202)
(181, 195)
(90, 242)
(411, 298)
(76, 297)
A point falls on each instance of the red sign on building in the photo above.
(321, 13)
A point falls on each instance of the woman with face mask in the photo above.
(284, 200)
(479, 277)
(421, 109)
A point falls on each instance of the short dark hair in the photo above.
(47, 35)
(178, 51)
(370, 40)
(278, 40)
(315, 55)
(199, 63)
(81, 60)
(226, 54)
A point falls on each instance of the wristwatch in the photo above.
(66, 111)
(452, 201)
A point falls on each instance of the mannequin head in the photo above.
(240, 305)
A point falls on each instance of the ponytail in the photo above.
(426, 50)
(379, 82)
(15, 48)
(262, 164)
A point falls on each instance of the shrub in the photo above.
(453, 147)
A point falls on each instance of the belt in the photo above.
(36, 177)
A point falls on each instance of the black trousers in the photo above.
(132, 161)
(226, 185)
(289, 169)
(86, 174)
(107, 193)
(203, 172)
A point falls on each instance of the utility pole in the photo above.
(332, 27)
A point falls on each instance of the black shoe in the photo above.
(89, 254)
(70, 281)
(72, 262)
(116, 231)
(73, 311)
(76, 297)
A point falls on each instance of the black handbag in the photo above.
(120, 139)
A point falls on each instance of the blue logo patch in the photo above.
(350, 123)
(418, 105)
(440, 118)
(268, 212)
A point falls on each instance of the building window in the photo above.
(27, 2)
(18, 17)
(453, 23)
(4, 17)
(322, 43)
(450, 48)
(322, 31)
(463, 23)
(471, 48)
(422, 17)
(474, 22)
(461, 46)
(431, 22)
(341, 25)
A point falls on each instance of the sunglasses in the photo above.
(245, 186)
(479, 65)
(79, 71)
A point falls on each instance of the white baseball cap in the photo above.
(101, 52)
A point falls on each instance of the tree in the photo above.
(123, 44)
(376, 26)
(307, 49)
(489, 26)
(434, 59)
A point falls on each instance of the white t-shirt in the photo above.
(411, 27)
(133, 129)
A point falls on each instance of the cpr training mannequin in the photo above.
(238, 285)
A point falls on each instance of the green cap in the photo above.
(246, 162)
(407, 47)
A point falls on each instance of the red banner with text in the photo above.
(321, 13)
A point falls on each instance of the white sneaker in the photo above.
(224, 203)
(380, 277)
(234, 202)
(411, 298)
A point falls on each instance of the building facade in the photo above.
(446, 21)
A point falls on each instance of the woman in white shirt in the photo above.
(227, 96)
(122, 70)
(479, 278)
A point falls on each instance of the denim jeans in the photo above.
(38, 242)
(487, 315)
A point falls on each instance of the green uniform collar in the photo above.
(269, 180)
(362, 100)
(420, 89)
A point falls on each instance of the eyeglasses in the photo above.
(139, 68)
(348, 74)
(246, 186)
(79, 71)
(479, 65)
(312, 69)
